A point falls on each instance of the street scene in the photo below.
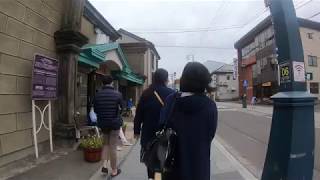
(159, 90)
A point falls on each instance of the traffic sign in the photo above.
(245, 83)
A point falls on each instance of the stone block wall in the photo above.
(26, 27)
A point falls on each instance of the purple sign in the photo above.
(44, 78)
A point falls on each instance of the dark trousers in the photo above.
(149, 170)
(150, 173)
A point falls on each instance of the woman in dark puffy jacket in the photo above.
(194, 118)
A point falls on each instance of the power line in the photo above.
(304, 4)
(218, 11)
(202, 29)
(298, 3)
(194, 47)
(189, 31)
(255, 18)
(317, 14)
(179, 31)
(211, 29)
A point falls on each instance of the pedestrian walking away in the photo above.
(194, 119)
(108, 106)
(146, 121)
(123, 139)
(129, 106)
(253, 101)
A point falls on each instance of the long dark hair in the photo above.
(195, 78)
(159, 78)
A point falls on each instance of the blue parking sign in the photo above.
(245, 83)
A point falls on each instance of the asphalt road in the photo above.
(246, 137)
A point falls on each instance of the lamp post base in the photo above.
(290, 153)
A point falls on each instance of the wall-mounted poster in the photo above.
(44, 78)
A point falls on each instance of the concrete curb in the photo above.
(245, 173)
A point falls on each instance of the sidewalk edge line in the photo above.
(124, 158)
(128, 153)
(245, 173)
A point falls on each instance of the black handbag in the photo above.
(159, 154)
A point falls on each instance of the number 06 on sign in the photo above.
(285, 76)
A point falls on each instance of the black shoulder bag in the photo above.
(159, 154)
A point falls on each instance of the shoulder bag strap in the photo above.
(159, 98)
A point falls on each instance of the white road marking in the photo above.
(245, 173)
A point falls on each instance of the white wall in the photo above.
(101, 37)
(226, 89)
(311, 47)
(113, 56)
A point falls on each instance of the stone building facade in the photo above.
(142, 57)
(70, 31)
(26, 28)
(258, 63)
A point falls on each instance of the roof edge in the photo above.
(94, 16)
(138, 38)
(247, 38)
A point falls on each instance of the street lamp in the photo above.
(290, 153)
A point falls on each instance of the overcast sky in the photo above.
(168, 24)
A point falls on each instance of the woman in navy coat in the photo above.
(147, 117)
(194, 118)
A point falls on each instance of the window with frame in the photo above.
(228, 77)
(309, 76)
(314, 88)
(312, 61)
(310, 35)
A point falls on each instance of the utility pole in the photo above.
(190, 57)
(174, 80)
(290, 153)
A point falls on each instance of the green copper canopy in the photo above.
(94, 55)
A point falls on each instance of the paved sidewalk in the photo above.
(223, 166)
(60, 165)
